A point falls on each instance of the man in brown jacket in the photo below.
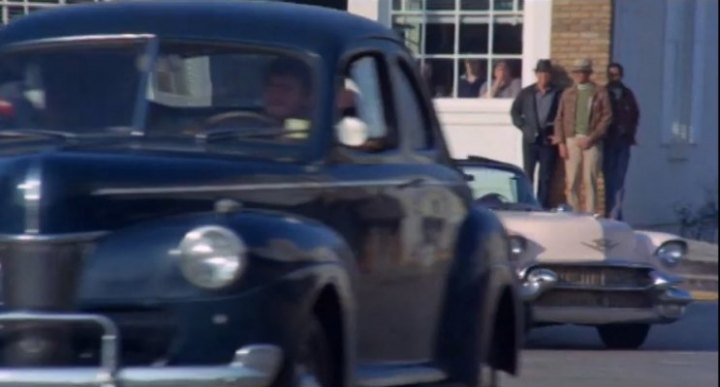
(582, 120)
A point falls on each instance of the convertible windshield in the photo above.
(501, 188)
(223, 96)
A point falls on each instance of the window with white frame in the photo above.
(458, 43)
(12, 9)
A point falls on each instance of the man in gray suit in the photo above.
(533, 112)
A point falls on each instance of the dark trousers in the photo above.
(616, 159)
(546, 155)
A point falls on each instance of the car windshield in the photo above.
(499, 188)
(224, 97)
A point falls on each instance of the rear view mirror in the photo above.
(469, 177)
(564, 208)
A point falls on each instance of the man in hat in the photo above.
(533, 112)
(582, 120)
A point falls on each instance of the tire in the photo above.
(315, 366)
(623, 336)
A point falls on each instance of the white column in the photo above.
(378, 10)
(537, 30)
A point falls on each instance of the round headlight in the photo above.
(212, 257)
(671, 253)
(518, 245)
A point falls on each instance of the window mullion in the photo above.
(491, 54)
(456, 52)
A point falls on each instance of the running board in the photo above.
(399, 374)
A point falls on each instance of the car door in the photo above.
(400, 210)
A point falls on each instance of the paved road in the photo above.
(684, 354)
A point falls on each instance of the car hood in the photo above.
(55, 190)
(572, 237)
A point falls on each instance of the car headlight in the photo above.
(212, 257)
(671, 253)
(518, 245)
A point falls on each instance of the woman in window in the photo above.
(503, 84)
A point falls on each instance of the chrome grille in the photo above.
(578, 298)
(602, 276)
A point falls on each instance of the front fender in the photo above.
(140, 262)
(480, 275)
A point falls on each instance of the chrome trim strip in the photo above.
(31, 189)
(259, 187)
(52, 238)
(77, 38)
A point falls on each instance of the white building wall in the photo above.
(648, 42)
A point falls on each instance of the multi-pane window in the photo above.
(12, 9)
(459, 42)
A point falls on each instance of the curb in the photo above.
(704, 296)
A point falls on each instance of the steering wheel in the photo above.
(494, 198)
(218, 119)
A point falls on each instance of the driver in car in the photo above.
(287, 99)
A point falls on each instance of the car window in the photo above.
(495, 186)
(362, 97)
(230, 96)
(411, 113)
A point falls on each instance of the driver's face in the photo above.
(285, 97)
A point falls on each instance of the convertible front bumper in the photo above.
(252, 366)
(554, 301)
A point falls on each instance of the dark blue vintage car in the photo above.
(236, 194)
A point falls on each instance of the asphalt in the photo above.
(683, 354)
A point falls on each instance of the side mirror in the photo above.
(352, 132)
(564, 208)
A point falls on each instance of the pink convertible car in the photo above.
(581, 269)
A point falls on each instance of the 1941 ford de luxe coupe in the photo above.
(236, 194)
(580, 269)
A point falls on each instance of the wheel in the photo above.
(623, 336)
(489, 377)
(315, 366)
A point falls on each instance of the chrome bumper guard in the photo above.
(253, 366)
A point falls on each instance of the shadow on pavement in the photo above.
(697, 331)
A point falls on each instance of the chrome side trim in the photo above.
(51, 238)
(259, 187)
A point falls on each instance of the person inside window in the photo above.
(288, 92)
(470, 82)
(503, 84)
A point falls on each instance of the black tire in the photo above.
(624, 336)
(315, 366)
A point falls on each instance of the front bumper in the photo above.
(252, 366)
(553, 302)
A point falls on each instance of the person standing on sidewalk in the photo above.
(618, 140)
(533, 112)
(583, 117)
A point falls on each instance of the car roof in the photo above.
(309, 27)
(489, 163)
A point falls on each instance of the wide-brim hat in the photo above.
(543, 66)
(582, 66)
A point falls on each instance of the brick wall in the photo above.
(580, 29)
